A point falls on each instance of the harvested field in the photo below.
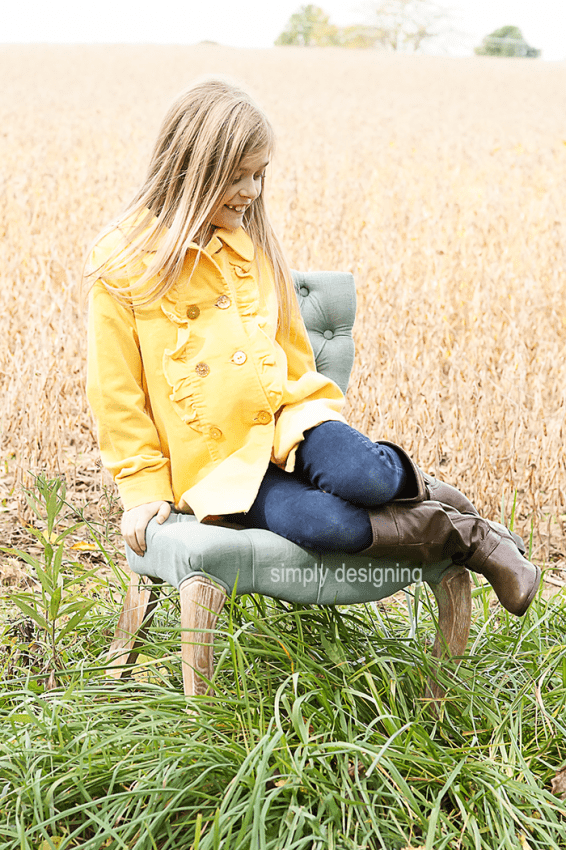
(441, 183)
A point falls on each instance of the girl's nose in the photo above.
(249, 189)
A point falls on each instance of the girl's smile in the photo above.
(242, 192)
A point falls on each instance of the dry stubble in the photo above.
(440, 183)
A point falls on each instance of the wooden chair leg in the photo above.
(135, 619)
(454, 599)
(201, 604)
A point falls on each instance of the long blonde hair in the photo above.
(208, 130)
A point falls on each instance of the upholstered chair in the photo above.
(206, 562)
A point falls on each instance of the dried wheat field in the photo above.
(440, 183)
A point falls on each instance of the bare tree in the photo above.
(406, 24)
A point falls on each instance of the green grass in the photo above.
(320, 734)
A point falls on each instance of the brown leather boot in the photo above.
(421, 486)
(429, 532)
(440, 491)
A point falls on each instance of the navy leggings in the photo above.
(323, 504)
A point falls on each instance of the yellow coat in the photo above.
(194, 394)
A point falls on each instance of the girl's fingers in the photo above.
(163, 512)
(135, 521)
(140, 535)
(132, 542)
(136, 540)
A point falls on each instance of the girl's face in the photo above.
(246, 187)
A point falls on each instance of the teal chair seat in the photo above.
(258, 561)
(208, 562)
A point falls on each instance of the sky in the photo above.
(256, 23)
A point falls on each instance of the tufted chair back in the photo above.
(328, 305)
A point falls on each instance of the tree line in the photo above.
(399, 25)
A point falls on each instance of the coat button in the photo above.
(202, 369)
(223, 302)
(215, 433)
(263, 417)
(193, 312)
(239, 357)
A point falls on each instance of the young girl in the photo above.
(203, 382)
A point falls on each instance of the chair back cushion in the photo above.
(328, 305)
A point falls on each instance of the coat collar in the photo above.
(237, 240)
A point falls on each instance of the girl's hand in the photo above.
(134, 523)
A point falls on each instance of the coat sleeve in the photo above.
(129, 443)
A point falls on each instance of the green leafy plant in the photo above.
(59, 603)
